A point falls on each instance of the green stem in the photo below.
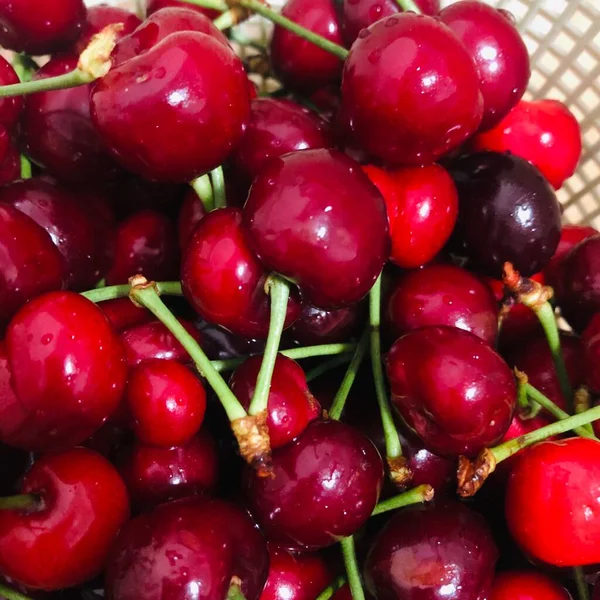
(226, 20)
(19, 501)
(164, 288)
(332, 588)
(279, 292)
(342, 394)
(326, 366)
(203, 187)
(522, 401)
(408, 5)
(213, 4)
(583, 591)
(25, 67)
(235, 592)
(25, 167)
(10, 594)
(60, 82)
(352, 571)
(422, 493)
(218, 185)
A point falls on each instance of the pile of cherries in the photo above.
(293, 340)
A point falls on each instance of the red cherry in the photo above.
(66, 539)
(122, 313)
(10, 108)
(396, 102)
(544, 132)
(10, 158)
(526, 585)
(191, 213)
(343, 593)
(552, 502)
(153, 5)
(590, 340)
(156, 111)
(452, 388)
(209, 541)
(317, 326)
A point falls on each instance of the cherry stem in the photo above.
(226, 20)
(339, 402)
(235, 592)
(326, 366)
(26, 171)
(10, 594)
(332, 588)
(213, 4)
(203, 187)
(72, 79)
(408, 5)
(279, 292)
(583, 592)
(164, 288)
(582, 400)
(422, 493)
(19, 501)
(25, 67)
(352, 571)
(218, 185)
(526, 409)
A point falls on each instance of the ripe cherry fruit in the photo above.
(10, 108)
(527, 585)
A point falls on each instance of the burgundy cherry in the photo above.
(442, 295)
(317, 326)
(298, 63)
(303, 472)
(432, 553)
(122, 313)
(191, 213)
(396, 103)
(527, 585)
(291, 406)
(191, 547)
(156, 111)
(153, 5)
(452, 389)
(221, 344)
(65, 539)
(590, 340)
(10, 157)
(315, 217)
(10, 108)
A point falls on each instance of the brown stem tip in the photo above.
(252, 434)
(139, 282)
(400, 473)
(472, 474)
(526, 291)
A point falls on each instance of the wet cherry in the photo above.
(527, 585)
(10, 157)
(123, 313)
(10, 108)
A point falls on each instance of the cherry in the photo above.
(526, 585)
(331, 468)
(153, 5)
(64, 538)
(40, 27)
(291, 406)
(154, 475)
(210, 542)
(122, 313)
(422, 206)
(298, 63)
(224, 281)
(442, 295)
(499, 54)
(452, 388)
(276, 127)
(544, 132)
(295, 576)
(220, 344)
(396, 103)
(591, 352)
(10, 108)
(315, 217)
(30, 265)
(343, 593)
(552, 502)
(10, 158)
(191, 213)
(507, 213)
(133, 107)
(432, 553)
(317, 326)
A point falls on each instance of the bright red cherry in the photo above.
(315, 217)
(452, 388)
(191, 213)
(527, 585)
(10, 108)
(544, 132)
(317, 326)
(63, 540)
(331, 468)
(185, 549)
(396, 102)
(156, 111)
(553, 502)
(122, 313)
(153, 5)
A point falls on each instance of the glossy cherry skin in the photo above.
(290, 407)
(276, 127)
(133, 107)
(188, 548)
(10, 108)
(317, 326)
(526, 585)
(422, 206)
(39, 27)
(544, 132)
(299, 64)
(223, 279)
(31, 264)
(153, 5)
(122, 313)
(561, 482)
(590, 341)
(442, 295)
(66, 541)
(154, 475)
(302, 474)
(68, 373)
(498, 52)
(295, 576)
(315, 217)
(432, 553)
(507, 213)
(396, 102)
(452, 388)
(191, 213)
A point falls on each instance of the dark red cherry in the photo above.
(299, 64)
(65, 539)
(331, 468)
(452, 388)
(527, 585)
(122, 313)
(153, 5)
(40, 27)
(544, 132)
(10, 157)
(191, 213)
(192, 547)
(590, 341)
(10, 108)
(224, 281)
(442, 295)
(156, 111)
(146, 244)
(317, 326)
(499, 54)
(291, 406)
(221, 344)
(432, 553)
(397, 103)
(507, 213)
(154, 475)
(276, 127)
(315, 217)
(31, 264)
(343, 593)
